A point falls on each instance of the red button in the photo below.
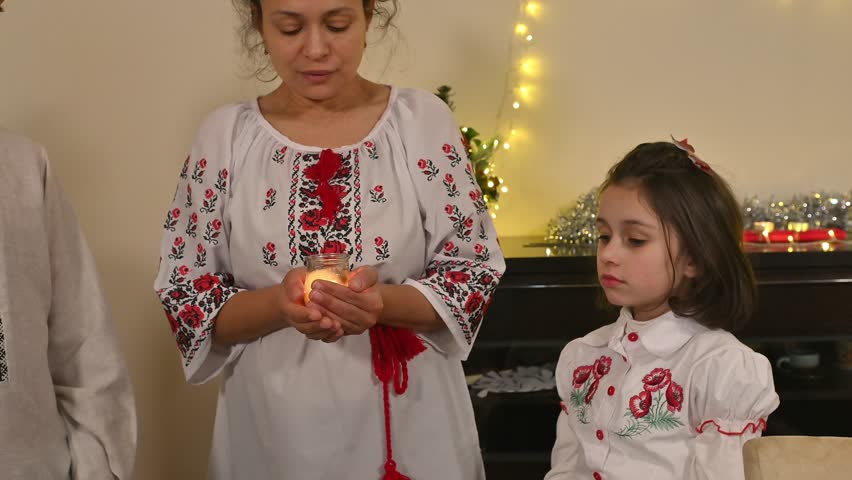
(633, 336)
(610, 391)
(597, 476)
(599, 434)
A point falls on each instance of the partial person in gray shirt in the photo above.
(66, 402)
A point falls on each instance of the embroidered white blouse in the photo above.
(247, 210)
(674, 400)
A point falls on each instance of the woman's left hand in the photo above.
(356, 307)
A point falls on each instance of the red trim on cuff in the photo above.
(760, 425)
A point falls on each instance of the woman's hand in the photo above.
(308, 321)
(355, 308)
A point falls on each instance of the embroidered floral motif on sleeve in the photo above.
(213, 231)
(451, 250)
(450, 185)
(172, 219)
(428, 168)
(200, 257)
(654, 407)
(465, 287)
(452, 154)
(586, 379)
(208, 205)
(478, 201)
(190, 306)
(188, 203)
(222, 181)
(177, 249)
(185, 168)
(462, 225)
(482, 253)
(198, 173)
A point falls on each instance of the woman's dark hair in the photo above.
(701, 209)
(250, 12)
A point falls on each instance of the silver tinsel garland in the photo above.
(576, 226)
(818, 210)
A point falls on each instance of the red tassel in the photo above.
(393, 348)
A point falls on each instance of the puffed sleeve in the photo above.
(464, 261)
(93, 390)
(732, 395)
(565, 456)
(195, 280)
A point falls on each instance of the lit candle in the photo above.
(798, 226)
(331, 267)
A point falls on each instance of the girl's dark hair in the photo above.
(250, 12)
(701, 209)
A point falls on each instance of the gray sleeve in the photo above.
(92, 385)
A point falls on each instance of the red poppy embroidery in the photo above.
(674, 396)
(581, 374)
(602, 366)
(586, 380)
(655, 406)
(640, 404)
(657, 379)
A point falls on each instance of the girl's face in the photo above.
(634, 260)
(315, 46)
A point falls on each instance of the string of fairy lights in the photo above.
(520, 90)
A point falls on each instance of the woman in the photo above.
(330, 162)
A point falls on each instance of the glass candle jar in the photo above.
(332, 267)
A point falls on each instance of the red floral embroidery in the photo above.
(334, 246)
(657, 379)
(451, 250)
(205, 282)
(648, 410)
(458, 277)
(591, 393)
(269, 255)
(382, 249)
(602, 366)
(191, 315)
(674, 396)
(640, 404)
(586, 380)
(474, 301)
(270, 199)
(322, 173)
(581, 374)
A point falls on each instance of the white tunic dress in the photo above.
(674, 400)
(248, 208)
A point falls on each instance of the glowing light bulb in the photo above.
(521, 29)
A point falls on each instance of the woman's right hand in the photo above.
(307, 321)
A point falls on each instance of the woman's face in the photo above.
(315, 46)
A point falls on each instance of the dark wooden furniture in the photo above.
(549, 296)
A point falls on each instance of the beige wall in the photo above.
(115, 90)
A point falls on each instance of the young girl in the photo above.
(665, 391)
